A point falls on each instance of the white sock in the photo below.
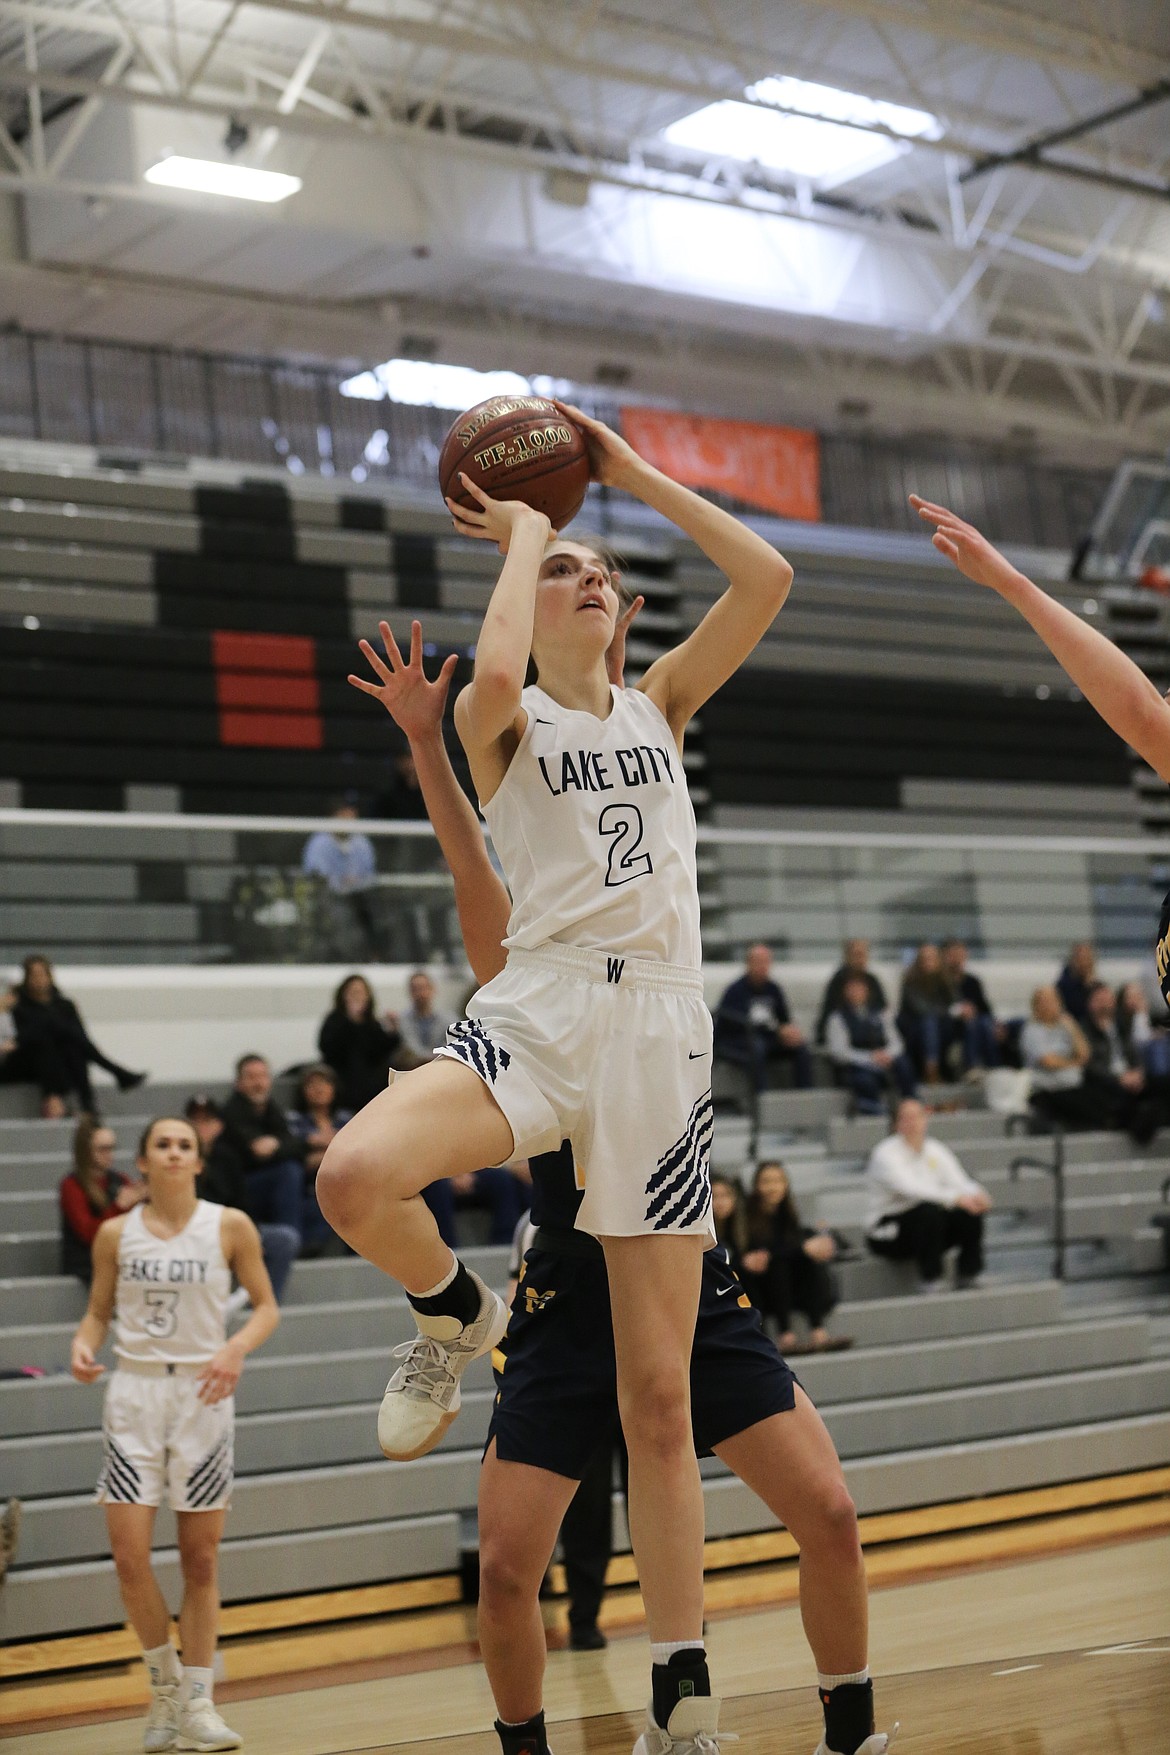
(828, 1683)
(447, 1280)
(162, 1661)
(197, 1684)
(662, 1654)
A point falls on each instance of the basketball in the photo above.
(518, 448)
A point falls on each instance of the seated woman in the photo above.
(92, 1192)
(924, 1015)
(53, 1046)
(360, 1046)
(785, 1266)
(316, 1117)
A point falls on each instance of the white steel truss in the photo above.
(1041, 291)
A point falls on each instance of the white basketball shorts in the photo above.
(156, 1432)
(614, 1054)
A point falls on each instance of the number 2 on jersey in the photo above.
(623, 822)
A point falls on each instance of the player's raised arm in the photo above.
(1112, 683)
(488, 708)
(758, 577)
(416, 707)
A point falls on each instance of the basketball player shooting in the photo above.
(556, 1405)
(596, 1031)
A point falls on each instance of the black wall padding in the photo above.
(252, 596)
(357, 514)
(417, 569)
(848, 742)
(255, 502)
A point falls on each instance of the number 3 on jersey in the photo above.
(621, 824)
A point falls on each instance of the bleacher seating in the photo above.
(965, 1394)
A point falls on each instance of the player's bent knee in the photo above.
(348, 1175)
(659, 1422)
(131, 1562)
(505, 1581)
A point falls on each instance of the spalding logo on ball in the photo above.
(518, 448)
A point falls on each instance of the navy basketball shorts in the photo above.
(556, 1372)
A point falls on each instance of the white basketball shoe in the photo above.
(693, 1730)
(422, 1398)
(202, 1728)
(162, 1721)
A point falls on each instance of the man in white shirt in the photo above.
(923, 1203)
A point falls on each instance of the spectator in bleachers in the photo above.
(402, 800)
(423, 1028)
(54, 1046)
(924, 1014)
(785, 1265)
(93, 1192)
(922, 1203)
(1076, 978)
(1115, 1073)
(317, 1115)
(867, 1052)
(272, 1156)
(855, 961)
(754, 1028)
(1056, 1054)
(729, 1216)
(1136, 1028)
(347, 866)
(10, 1067)
(221, 1180)
(360, 1046)
(503, 1191)
(971, 1009)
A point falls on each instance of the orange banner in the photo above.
(775, 468)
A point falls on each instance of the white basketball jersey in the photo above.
(172, 1293)
(595, 830)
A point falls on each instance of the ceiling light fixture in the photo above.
(821, 132)
(210, 177)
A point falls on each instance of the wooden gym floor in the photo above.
(1063, 1655)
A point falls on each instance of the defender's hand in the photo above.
(415, 705)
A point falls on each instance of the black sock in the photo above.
(460, 1299)
(529, 1738)
(685, 1675)
(848, 1716)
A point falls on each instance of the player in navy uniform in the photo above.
(557, 1405)
(162, 1275)
(1127, 700)
(596, 1028)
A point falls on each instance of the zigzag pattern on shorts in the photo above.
(212, 1478)
(119, 1479)
(680, 1188)
(469, 1042)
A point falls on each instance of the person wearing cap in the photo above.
(222, 1181)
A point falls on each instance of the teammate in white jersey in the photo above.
(596, 1030)
(162, 1276)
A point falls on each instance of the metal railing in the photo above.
(154, 401)
(145, 887)
(1055, 1169)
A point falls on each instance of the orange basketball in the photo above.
(518, 448)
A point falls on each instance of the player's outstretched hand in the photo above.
(615, 657)
(611, 460)
(961, 543)
(82, 1364)
(219, 1377)
(493, 520)
(415, 705)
